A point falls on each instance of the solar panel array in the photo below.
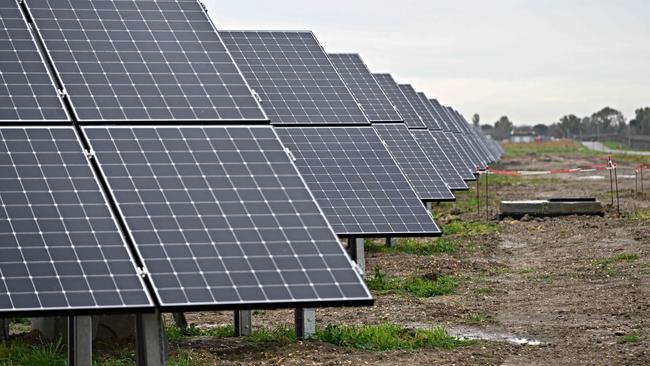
(294, 78)
(27, 92)
(61, 248)
(221, 217)
(356, 181)
(364, 88)
(462, 166)
(436, 153)
(413, 161)
(94, 218)
(399, 100)
(144, 60)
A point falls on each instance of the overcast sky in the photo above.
(533, 60)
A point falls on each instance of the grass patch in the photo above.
(455, 225)
(629, 338)
(484, 291)
(421, 247)
(174, 333)
(609, 266)
(416, 286)
(388, 337)
(546, 148)
(641, 215)
(478, 319)
(270, 335)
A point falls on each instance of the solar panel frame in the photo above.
(435, 153)
(27, 90)
(294, 78)
(77, 260)
(399, 100)
(357, 182)
(414, 163)
(249, 234)
(365, 88)
(142, 61)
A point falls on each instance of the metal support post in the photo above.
(151, 346)
(80, 341)
(180, 321)
(357, 252)
(305, 322)
(4, 329)
(243, 324)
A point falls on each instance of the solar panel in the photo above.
(144, 60)
(27, 92)
(365, 88)
(222, 218)
(294, 78)
(435, 153)
(463, 149)
(356, 181)
(415, 164)
(399, 100)
(465, 170)
(449, 124)
(61, 248)
(435, 122)
(419, 107)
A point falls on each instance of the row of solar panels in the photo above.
(147, 160)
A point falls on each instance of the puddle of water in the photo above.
(471, 333)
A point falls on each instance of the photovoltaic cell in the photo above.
(365, 88)
(356, 181)
(413, 161)
(294, 78)
(60, 249)
(222, 218)
(145, 60)
(399, 100)
(434, 122)
(435, 153)
(27, 92)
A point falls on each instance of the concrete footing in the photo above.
(243, 323)
(551, 207)
(151, 346)
(80, 341)
(305, 322)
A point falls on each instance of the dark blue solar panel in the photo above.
(294, 78)
(413, 161)
(365, 88)
(222, 218)
(399, 100)
(145, 60)
(356, 181)
(60, 247)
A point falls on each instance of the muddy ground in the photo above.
(572, 290)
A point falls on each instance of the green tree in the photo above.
(570, 125)
(476, 120)
(608, 120)
(641, 121)
(503, 128)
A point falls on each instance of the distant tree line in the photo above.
(606, 122)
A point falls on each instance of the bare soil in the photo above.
(575, 288)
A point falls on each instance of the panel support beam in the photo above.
(429, 206)
(4, 329)
(151, 346)
(305, 322)
(80, 341)
(243, 323)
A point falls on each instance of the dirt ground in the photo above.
(569, 291)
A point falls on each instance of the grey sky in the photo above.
(534, 60)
